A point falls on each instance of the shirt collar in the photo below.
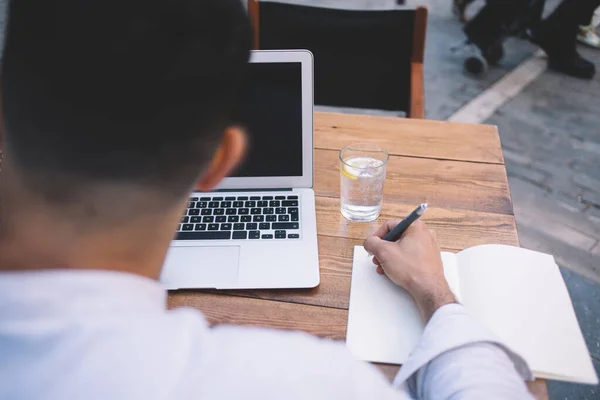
(72, 293)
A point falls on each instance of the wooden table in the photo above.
(457, 168)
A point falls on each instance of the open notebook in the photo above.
(518, 294)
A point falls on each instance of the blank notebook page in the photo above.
(384, 323)
(520, 295)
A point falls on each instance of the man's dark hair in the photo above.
(101, 91)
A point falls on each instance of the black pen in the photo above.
(399, 229)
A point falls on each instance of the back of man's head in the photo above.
(125, 91)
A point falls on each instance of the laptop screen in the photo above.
(271, 112)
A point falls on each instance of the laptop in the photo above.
(258, 230)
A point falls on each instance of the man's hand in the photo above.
(413, 263)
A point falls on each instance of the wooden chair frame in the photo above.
(417, 87)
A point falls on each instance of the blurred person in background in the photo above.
(557, 34)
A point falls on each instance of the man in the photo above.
(556, 35)
(113, 111)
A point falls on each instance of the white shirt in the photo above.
(106, 335)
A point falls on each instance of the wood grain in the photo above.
(254, 14)
(456, 229)
(410, 137)
(417, 92)
(419, 35)
(441, 183)
(417, 89)
(221, 309)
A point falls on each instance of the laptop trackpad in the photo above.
(201, 267)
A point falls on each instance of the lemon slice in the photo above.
(348, 174)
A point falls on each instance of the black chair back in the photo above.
(362, 59)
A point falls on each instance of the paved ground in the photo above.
(551, 141)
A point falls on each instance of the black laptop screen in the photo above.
(271, 112)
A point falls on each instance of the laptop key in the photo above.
(255, 211)
(193, 211)
(267, 236)
(213, 227)
(233, 218)
(238, 204)
(213, 204)
(188, 227)
(205, 211)
(271, 218)
(274, 203)
(185, 220)
(230, 198)
(193, 199)
(280, 234)
(295, 217)
(225, 204)
(196, 219)
(293, 210)
(240, 235)
(238, 227)
(191, 204)
(250, 204)
(217, 199)
(244, 198)
(208, 219)
(280, 210)
(255, 198)
(254, 235)
(290, 203)
(230, 211)
(279, 197)
(204, 198)
(262, 204)
(243, 211)
(285, 225)
(268, 211)
(293, 236)
(221, 218)
(246, 218)
(283, 218)
(197, 235)
(258, 218)
(219, 211)
(292, 197)
(200, 227)
(251, 226)
(225, 227)
(264, 226)
(267, 197)
(201, 204)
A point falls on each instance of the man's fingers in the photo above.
(376, 246)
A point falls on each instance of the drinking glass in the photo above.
(362, 172)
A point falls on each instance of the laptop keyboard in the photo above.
(240, 218)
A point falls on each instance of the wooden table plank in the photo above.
(410, 137)
(222, 309)
(448, 184)
(456, 229)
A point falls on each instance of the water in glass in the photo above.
(362, 180)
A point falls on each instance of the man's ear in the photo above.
(229, 154)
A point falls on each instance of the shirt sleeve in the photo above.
(457, 358)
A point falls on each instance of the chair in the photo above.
(363, 59)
